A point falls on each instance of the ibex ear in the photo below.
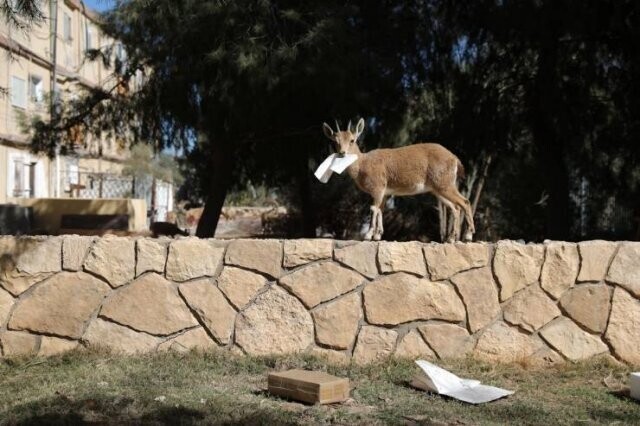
(328, 132)
(359, 127)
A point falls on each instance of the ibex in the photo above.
(408, 170)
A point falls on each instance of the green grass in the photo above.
(217, 388)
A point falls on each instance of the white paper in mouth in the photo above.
(334, 163)
(439, 380)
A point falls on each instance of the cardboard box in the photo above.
(308, 386)
(634, 385)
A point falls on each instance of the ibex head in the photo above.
(345, 141)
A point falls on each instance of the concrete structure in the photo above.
(27, 71)
(361, 301)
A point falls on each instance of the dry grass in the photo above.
(94, 387)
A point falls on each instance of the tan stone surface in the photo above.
(259, 255)
(401, 257)
(150, 304)
(276, 323)
(211, 307)
(588, 305)
(560, 268)
(530, 309)
(625, 268)
(194, 339)
(447, 340)
(36, 255)
(359, 256)
(6, 302)
(54, 346)
(572, 342)
(374, 343)
(299, 252)
(401, 297)
(545, 357)
(480, 295)
(113, 259)
(516, 266)
(595, 257)
(623, 332)
(60, 306)
(320, 282)
(413, 346)
(240, 286)
(337, 321)
(119, 339)
(74, 251)
(446, 260)
(17, 343)
(506, 344)
(192, 258)
(151, 255)
(16, 283)
(334, 357)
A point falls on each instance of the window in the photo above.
(66, 28)
(18, 92)
(36, 89)
(88, 45)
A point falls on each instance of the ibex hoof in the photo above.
(468, 237)
(377, 237)
(368, 236)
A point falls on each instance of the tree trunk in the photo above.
(221, 169)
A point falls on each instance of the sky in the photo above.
(99, 5)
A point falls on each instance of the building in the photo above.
(28, 72)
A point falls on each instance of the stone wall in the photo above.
(541, 303)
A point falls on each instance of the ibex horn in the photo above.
(349, 126)
(337, 126)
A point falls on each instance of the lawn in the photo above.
(220, 388)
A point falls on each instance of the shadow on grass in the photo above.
(60, 410)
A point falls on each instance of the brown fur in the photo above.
(408, 170)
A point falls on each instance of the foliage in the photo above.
(142, 163)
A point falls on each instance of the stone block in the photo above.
(337, 322)
(480, 295)
(211, 307)
(595, 257)
(151, 255)
(112, 258)
(300, 252)
(516, 266)
(264, 256)
(74, 251)
(190, 258)
(359, 256)
(446, 260)
(560, 268)
(240, 286)
(625, 268)
(402, 257)
(374, 344)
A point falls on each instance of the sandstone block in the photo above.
(6, 302)
(337, 321)
(36, 255)
(299, 252)
(54, 346)
(194, 339)
(447, 340)
(446, 260)
(119, 339)
(211, 307)
(545, 357)
(359, 256)
(320, 282)
(264, 256)
(113, 259)
(480, 295)
(374, 344)
(625, 268)
(193, 258)
(60, 306)
(17, 283)
(595, 257)
(74, 251)
(506, 344)
(402, 257)
(568, 339)
(531, 309)
(16, 343)
(560, 268)
(401, 297)
(623, 332)
(276, 323)
(240, 286)
(588, 305)
(151, 256)
(516, 266)
(149, 304)
(413, 346)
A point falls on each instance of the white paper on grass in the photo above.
(334, 163)
(441, 381)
